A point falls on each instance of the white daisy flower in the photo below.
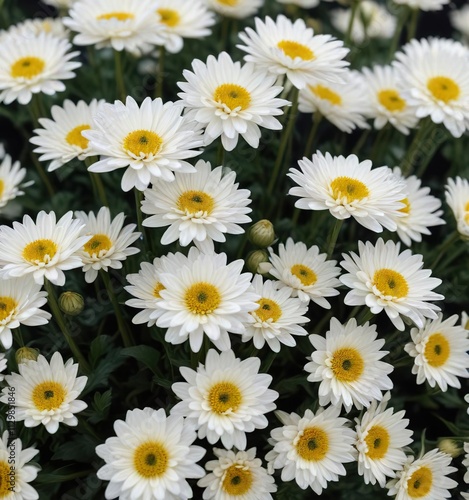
(372, 21)
(434, 80)
(3, 365)
(230, 100)
(152, 140)
(34, 27)
(198, 207)
(60, 4)
(381, 436)
(206, 295)
(11, 177)
(225, 398)
(382, 278)
(235, 476)
(277, 318)
(146, 287)
(121, 24)
(46, 248)
(440, 352)
(181, 19)
(385, 101)
(460, 20)
(424, 478)
(21, 300)
(426, 5)
(421, 210)
(311, 449)
(33, 64)
(46, 393)
(238, 9)
(151, 457)
(306, 272)
(347, 363)
(60, 140)
(343, 104)
(457, 197)
(283, 47)
(16, 476)
(348, 187)
(110, 242)
(306, 4)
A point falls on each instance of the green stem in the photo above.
(365, 316)
(296, 216)
(43, 175)
(119, 74)
(97, 183)
(401, 20)
(353, 15)
(381, 138)
(138, 207)
(224, 34)
(412, 27)
(416, 148)
(333, 235)
(220, 154)
(360, 143)
(452, 238)
(58, 316)
(123, 328)
(160, 78)
(317, 118)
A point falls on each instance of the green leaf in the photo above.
(146, 355)
(101, 406)
(81, 448)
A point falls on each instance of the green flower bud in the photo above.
(262, 233)
(254, 261)
(71, 303)
(26, 353)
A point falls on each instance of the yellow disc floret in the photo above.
(202, 298)
(74, 137)
(97, 244)
(313, 444)
(437, 350)
(224, 397)
(420, 483)
(142, 143)
(234, 97)
(7, 306)
(27, 67)
(443, 88)
(377, 440)
(193, 202)
(347, 364)
(348, 189)
(40, 251)
(326, 94)
(48, 395)
(391, 100)
(151, 459)
(237, 480)
(294, 49)
(391, 283)
(268, 310)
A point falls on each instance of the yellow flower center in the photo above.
(151, 459)
(237, 480)
(224, 397)
(7, 306)
(143, 143)
(313, 445)
(157, 290)
(229, 3)
(193, 202)
(443, 88)
(97, 244)
(305, 274)
(405, 209)
(348, 188)
(232, 96)
(420, 483)
(202, 298)
(27, 67)
(6, 475)
(2, 187)
(119, 16)
(377, 441)
(268, 309)
(391, 100)
(48, 395)
(327, 94)
(390, 282)
(169, 17)
(437, 350)
(40, 251)
(294, 49)
(466, 326)
(74, 137)
(347, 364)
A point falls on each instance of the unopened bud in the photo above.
(255, 260)
(450, 447)
(25, 354)
(262, 233)
(71, 303)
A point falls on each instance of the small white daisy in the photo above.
(237, 9)
(236, 476)
(198, 207)
(381, 436)
(348, 187)
(434, 80)
(440, 352)
(3, 365)
(21, 300)
(181, 19)
(457, 197)
(426, 5)
(311, 449)
(277, 318)
(225, 398)
(33, 64)
(283, 47)
(386, 104)
(60, 140)
(46, 248)
(306, 4)
(306, 272)
(46, 393)
(425, 478)
(150, 457)
(460, 20)
(382, 278)
(421, 210)
(109, 244)
(347, 363)
(152, 141)
(205, 296)
(11, 177)
(121, 24)
(230, 100)
(38, 25)
(15, 471)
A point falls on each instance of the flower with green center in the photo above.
(151, 456)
